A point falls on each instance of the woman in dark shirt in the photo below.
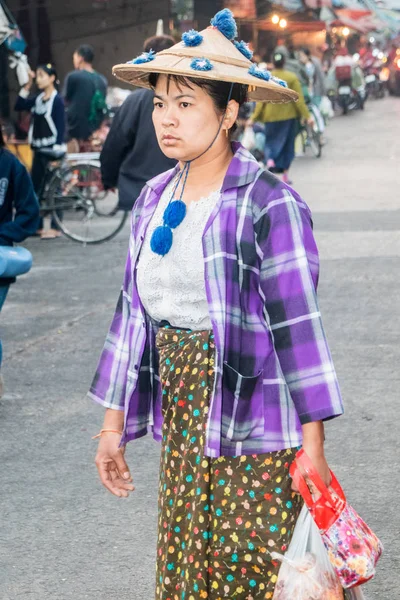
(19, 211)
(47, 128)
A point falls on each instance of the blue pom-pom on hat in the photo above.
(192, 38)
(145, 57)
(224, 21)
(260, 73)
(244, 49)
(279, 81)
(201, 64)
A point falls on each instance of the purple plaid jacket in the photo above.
(273, 367)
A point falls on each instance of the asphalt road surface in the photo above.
(61, 535)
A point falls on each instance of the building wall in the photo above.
(204, 10)
(115, 28)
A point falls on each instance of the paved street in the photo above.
(62, 536)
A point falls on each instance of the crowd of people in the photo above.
(65, 118)
(314, 76)
(61, 120)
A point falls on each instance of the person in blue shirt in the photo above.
(19, 210)
(47, 128)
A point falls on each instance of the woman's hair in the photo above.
(217, 90)
(157, 43)
(279, 60)
(50, 70)
(2, 142)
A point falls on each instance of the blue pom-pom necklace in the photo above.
(161, 240)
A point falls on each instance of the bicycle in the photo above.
(311, 134)
(311, 139)
(73, 194)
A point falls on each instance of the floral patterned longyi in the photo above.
(218, 518)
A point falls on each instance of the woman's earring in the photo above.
(227, 132)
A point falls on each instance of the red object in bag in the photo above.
(352, 546)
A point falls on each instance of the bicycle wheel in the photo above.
(314, 140)
(304, 139)
(80, 206)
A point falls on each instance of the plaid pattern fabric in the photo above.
(273, 368)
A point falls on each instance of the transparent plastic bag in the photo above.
(306, 572)
(354, 594)
(326, 108)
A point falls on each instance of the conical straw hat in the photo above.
(214, 57)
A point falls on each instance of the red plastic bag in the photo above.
(353, 548)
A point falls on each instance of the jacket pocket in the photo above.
(242, 405)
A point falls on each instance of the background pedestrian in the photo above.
(19, 212)
(131, 154)
(317, 76)
(281, 122)
(47, 129)
(85, 93)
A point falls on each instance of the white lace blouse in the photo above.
(172, 287)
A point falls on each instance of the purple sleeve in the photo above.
(289, 278)
(110, 381)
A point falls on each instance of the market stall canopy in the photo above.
(299, 5)
(314, 4)
(294, 25)
(390, 5)
(358, 20)
(242, 9)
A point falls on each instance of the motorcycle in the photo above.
(350, 98)
(375, 87)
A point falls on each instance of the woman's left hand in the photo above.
(317, 457)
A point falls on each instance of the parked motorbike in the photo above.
(349, 98)
(374, 85)
(394, 77)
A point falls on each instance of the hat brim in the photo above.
(169, 64)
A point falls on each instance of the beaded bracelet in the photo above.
(106, 431)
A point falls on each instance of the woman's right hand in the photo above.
(110, 462)
(32, 76)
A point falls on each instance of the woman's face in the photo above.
(43, 80)
(186, 120)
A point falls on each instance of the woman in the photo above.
(47, 129)
(217, 344)
(281, 122)
(317, 76)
